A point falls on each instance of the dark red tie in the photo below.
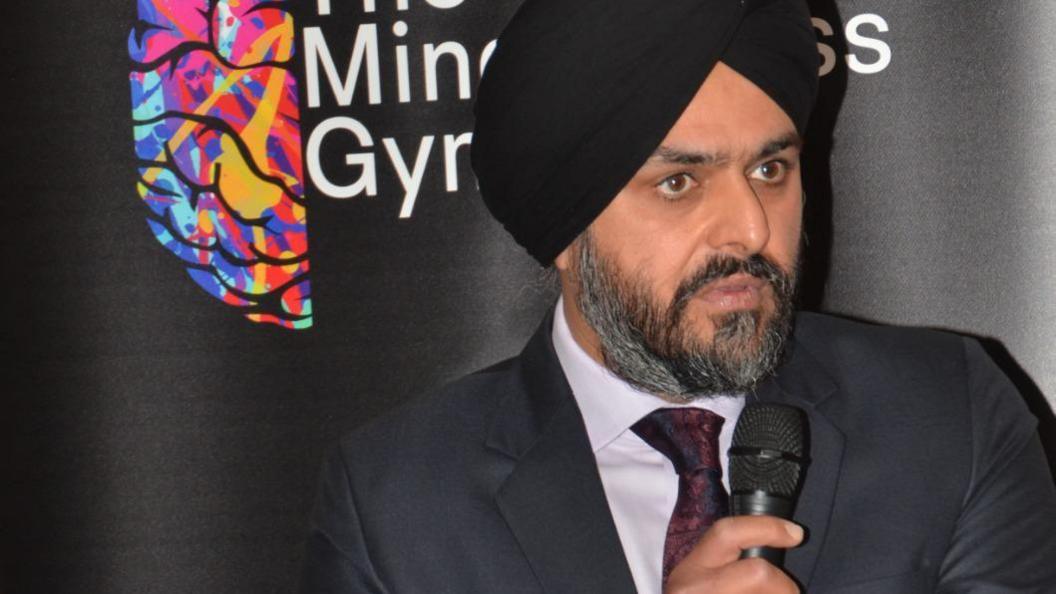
(689, 437)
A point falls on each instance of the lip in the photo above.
(737, 292)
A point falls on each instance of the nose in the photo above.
(738, 224)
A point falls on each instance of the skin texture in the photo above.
(725, 181)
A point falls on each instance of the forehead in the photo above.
(728, 114)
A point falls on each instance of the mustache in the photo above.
(721, 267)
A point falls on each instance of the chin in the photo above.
(719, 323)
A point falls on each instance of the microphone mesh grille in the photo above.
(773, 428)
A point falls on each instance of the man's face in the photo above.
(695, 258)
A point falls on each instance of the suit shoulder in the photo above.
(814, 326)
(900, 371)
(456, 415)
(856, 343)
(911, 373)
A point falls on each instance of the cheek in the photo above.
(786, 229)
(644, 248)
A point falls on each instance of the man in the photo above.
(650, 152)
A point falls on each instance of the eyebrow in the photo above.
(668, 154)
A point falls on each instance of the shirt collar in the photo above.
(610, 405)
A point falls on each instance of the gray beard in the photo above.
(649, 346)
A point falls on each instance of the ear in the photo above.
(562, 260)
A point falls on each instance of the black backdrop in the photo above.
(160, 441)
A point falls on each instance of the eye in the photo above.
(771, 172)
(676, 186)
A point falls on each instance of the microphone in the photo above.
(766, 462)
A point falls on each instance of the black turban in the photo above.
(579, 93)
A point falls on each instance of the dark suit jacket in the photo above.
(926, 475)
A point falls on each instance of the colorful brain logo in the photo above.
(218, 142)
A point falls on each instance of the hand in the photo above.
(714, 565)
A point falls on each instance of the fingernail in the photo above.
(795, 530)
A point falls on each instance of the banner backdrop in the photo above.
(235, 229)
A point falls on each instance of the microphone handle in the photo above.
(761, 503)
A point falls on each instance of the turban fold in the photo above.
(579, 93)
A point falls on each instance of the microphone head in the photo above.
(767, 453)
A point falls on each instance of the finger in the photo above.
(724, 541)
(757, 576)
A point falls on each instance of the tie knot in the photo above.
(689, 437)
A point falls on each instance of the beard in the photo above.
(652, 347)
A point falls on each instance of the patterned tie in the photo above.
(689, 437)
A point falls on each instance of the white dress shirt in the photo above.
(640, 483)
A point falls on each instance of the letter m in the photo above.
(364, 51)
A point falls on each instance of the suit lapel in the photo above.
(801, 382)
(553, 500)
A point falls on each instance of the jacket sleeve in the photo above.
(1005, 538)
(337, 560)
